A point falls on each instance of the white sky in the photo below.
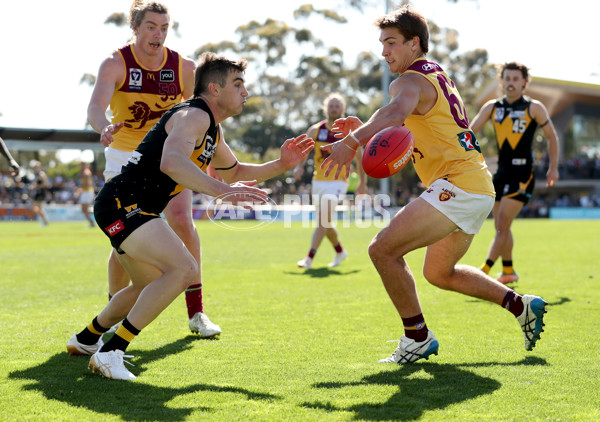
(47, 46)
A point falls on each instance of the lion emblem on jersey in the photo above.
(142, 113)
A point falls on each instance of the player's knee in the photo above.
(377, 251)
(182, 224)
(436, 276)
(186, 273)
(432, 275)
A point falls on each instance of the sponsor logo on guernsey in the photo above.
(115, 228)
(468, 141)
(135, 157)
(499, 116)
(431, 67)
(167, 75)
(135, 79)
(517, 114)
(323, 134)
(209, 150)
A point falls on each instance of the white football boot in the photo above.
(410, 350)
(75, 348)
(338, 258)
(532, 319)
(111, 365)
(305, 263)
(200, 324)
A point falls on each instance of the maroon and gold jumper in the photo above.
(144, 95)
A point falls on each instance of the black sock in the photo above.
(91, 333)
(124, 335)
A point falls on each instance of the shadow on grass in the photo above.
(557, 302)
(321, 272)
(421, 387)
(66, 379)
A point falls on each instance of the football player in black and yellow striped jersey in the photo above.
(139, 82)
(515, 117)
(173, 156)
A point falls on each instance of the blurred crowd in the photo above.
(20, 190)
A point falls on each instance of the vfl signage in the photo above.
(135, 79)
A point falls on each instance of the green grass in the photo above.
(300, 345)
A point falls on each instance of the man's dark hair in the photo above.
(215, 69)
(410, 24)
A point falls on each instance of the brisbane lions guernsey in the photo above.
(324, 137)
(144, 95)
(445, 146)
(514, 128)
(152, 188)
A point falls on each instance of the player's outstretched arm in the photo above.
(293, 152)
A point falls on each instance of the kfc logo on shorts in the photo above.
(115, 228)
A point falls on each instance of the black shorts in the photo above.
(39, 196)
(118, 215)
(518, 187)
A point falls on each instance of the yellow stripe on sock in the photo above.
(93, 330)
(508, 270)
(125, 334)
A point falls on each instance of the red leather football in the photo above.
(388, 152)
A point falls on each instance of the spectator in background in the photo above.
(40, 192)
(86, 194)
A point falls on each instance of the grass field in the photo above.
(301, 345)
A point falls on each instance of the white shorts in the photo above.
(86, 197)
(467, 210)
(115, 160)
(328, 190)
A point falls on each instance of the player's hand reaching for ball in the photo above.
(342, 154)
(342, 127)
(295, 150)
